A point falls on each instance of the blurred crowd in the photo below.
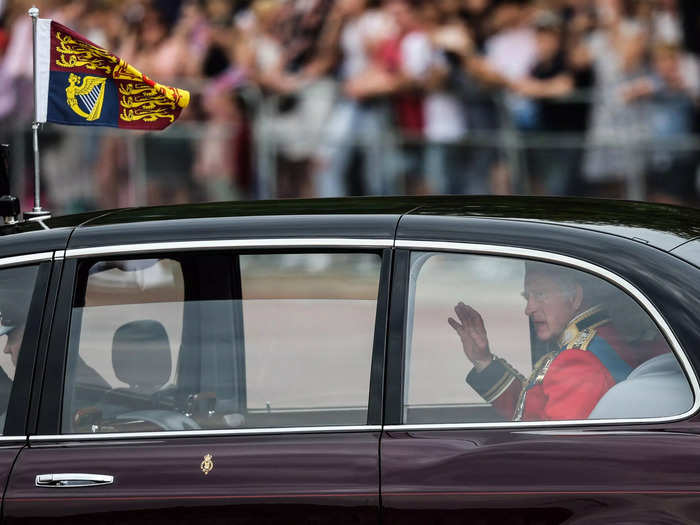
(338, 97)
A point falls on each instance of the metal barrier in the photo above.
(182, 161)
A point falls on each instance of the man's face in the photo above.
(548, 305)
(13, 343)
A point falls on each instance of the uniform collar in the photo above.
(588, 319)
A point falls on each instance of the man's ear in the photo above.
(577, 299)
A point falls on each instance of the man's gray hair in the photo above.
(595, 290)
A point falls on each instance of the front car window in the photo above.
(16, 289)
(221, 340)
(504, 339)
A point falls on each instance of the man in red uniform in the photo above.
(584, 352)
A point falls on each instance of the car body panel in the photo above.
(689, 252)
(323, 478)
(8, 453)
(31, 238)
(308, 474)
(361, 218)
(663, 227)
(368, 227)
(597, 473)
(16, 246)
(588, 473)
(540, 476)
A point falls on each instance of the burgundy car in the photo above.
(369, 360)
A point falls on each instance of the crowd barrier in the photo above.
(200, 161)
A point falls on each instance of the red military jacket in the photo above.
(567, 382)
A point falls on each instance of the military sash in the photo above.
(80, 83)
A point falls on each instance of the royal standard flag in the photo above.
(80, 83)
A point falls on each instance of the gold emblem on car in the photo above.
(207, 465)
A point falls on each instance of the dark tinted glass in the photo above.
(16, 288)
(503, 339)
(219, 341)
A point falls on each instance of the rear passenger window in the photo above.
(220, 340)
(504, 339)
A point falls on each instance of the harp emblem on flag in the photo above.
(85, 98)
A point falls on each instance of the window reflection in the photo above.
(536, 342)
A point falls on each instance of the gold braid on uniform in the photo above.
(577, 335)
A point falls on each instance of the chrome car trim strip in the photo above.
(18, 439)
(230, 243)
(24, 259)
(208, 433)
(59, 255)
(527, 253)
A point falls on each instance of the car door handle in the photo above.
(73, 480)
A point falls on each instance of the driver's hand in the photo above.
(472, 332)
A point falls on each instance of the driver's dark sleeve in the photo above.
(499, 384)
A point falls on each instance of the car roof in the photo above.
(662, 226)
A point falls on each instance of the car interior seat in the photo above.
(656, 388)
(141, 358)
(141, 355)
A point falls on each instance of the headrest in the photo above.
(141, 355)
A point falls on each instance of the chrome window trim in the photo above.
(332, 242)
(208, 433)
(17, 260)
(620, 282)
(229, 243)
(19, 439)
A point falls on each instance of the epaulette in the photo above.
(581, 330)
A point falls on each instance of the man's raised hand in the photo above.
(472, 332)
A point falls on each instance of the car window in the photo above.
(504, 339)
(16, 288)
(309, 324)
(220, 340)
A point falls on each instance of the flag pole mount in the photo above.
(37, 210)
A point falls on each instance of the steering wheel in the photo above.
(165, 419)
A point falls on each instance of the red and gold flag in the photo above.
(80, 83)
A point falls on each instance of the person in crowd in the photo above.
(406, 60)
(333, 87)
(549, 168)
(359, 120)
(445, 119)
(298, 102)
(672, 96)
(618, 128)
(462, 104)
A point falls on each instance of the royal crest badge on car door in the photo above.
(207, 464)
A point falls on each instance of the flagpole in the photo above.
(37, 210)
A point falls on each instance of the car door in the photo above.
(24, 282)
(450, 455)
(240, 383)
